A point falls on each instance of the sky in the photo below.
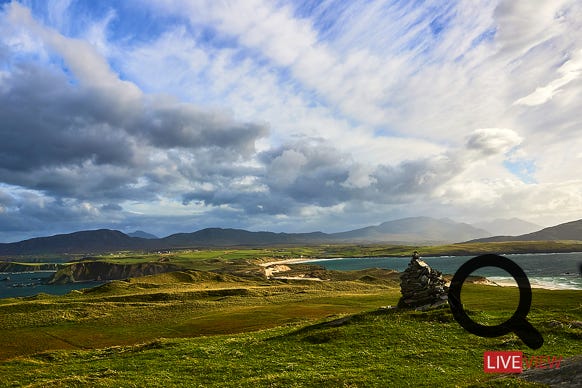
(175, 115)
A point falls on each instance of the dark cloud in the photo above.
(413, 178)
(287, 180)
(311, 173)
(305, 173)
(492, 141)
(111, 207)
(322, 176)
(71, 142)
(30, 214)
(42, 125)
(170, 124)
(72, 152)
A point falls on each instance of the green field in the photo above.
(199, 328)
(364, 250)
(190, 256)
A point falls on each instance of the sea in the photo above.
(26, 284)
(556, 271)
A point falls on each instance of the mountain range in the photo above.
(420, 230)
(508, 227)
(142, 234)
(566, 231)
(415, 230)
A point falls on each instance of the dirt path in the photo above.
(273, 267)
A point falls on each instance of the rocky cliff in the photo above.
(103, 271)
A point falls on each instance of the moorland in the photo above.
(219, 321)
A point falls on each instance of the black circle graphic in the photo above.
(517, 323)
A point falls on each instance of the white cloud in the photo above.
(379, 107)
(88, 65)
(523, 25)
(57, 10)
(568, 72)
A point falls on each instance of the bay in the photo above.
(23, 284)
(547, 270)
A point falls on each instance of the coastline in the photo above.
(289, 261)
(546, 283)
(534, 283)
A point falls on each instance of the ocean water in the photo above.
(547, 270)
(22, 284)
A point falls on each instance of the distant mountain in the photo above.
(418, 230)
(142, 234)
(105, 240)
(508, 227)
(415, 230)
(89, 241)
(231, 237)
(567, 231)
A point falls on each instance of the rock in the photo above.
(104, 271)
(421, 286)
(569, 374)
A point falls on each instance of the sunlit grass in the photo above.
(194, 328)
(233, 327)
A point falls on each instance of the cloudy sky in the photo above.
(175, 115)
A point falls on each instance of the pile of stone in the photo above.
(421, 286)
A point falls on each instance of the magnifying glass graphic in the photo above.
(517, 323)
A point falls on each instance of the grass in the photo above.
(193, 257)
(231, 327)
(197, 328)
(173, 305)
(468, 249)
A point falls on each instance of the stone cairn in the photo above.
(421, 286)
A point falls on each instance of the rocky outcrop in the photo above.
(103, 271)
(421, 286)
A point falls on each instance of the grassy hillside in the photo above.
(174, 305)
(197, 328)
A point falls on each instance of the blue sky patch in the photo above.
(524, 169)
